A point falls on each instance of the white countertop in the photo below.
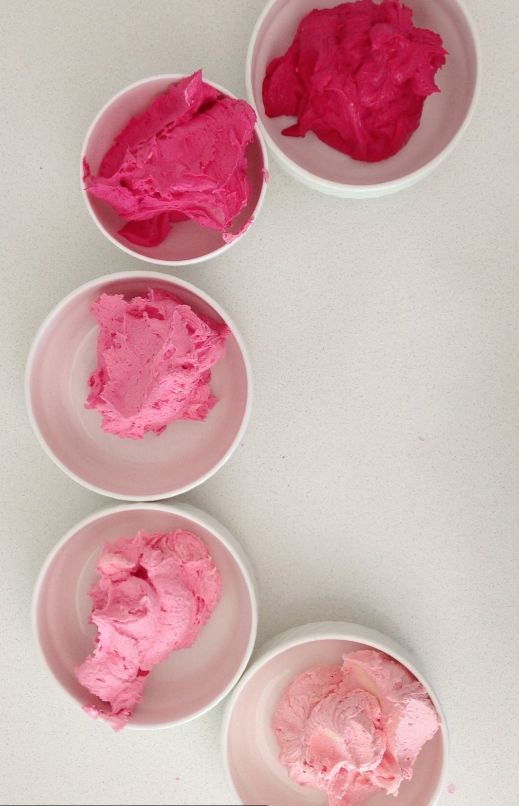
(379, 479)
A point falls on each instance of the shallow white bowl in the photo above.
(445, 118)
(250, 748)
(186, 454)
(189, 682)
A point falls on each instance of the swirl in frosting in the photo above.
(356, 730)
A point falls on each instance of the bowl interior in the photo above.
(443, 114)
(190, 679)
(187, 241)
(155, 466)
(252, 749)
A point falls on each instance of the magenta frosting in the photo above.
(183, 158)
(154, 360)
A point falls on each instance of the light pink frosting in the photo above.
(154, 359)
(356, 730)
(153, 595)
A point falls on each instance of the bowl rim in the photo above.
(340, 188)
(138, 275)
(198, 517)
(324, 631)
(129, 251)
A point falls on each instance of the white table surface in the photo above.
(379, 479)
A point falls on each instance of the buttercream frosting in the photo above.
(183, 158)
(354, 730)
(154, 594)
(357, 75)
(154, 360)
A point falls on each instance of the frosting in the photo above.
(357, 75)
(183, 158)
(154, 594)
(356, 730)
(154, 359)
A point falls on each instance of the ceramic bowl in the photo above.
(250, 748)
(187, 453)
(445, 118)
(190, 681)
(188, 242)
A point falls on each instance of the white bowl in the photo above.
(445, 118)
(189, 682)
(188, 242)
(250, 748)
(189, 452)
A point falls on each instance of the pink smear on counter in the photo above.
(154, 594)
(356, 730)
(183, 158)
(154, 360)
(357, 75)
(451, 789)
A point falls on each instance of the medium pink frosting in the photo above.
(354, 730)
(183, 157)
(154, 359)
(154, 594)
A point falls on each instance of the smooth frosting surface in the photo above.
(357, 75)
(183, 158)
(354, 730)
(154, 594)
(154, 360)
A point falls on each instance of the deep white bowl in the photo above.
(188, 242)
(445, 118)
(186, 454)
(189, 682)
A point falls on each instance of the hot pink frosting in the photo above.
(183, 157)
(154, 359)
(154, 594)
(354, 730)
(357, 75)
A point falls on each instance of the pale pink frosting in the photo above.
(153, 595)
(154, 359)
(356, 730)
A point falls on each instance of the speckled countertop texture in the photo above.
(379, 479)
